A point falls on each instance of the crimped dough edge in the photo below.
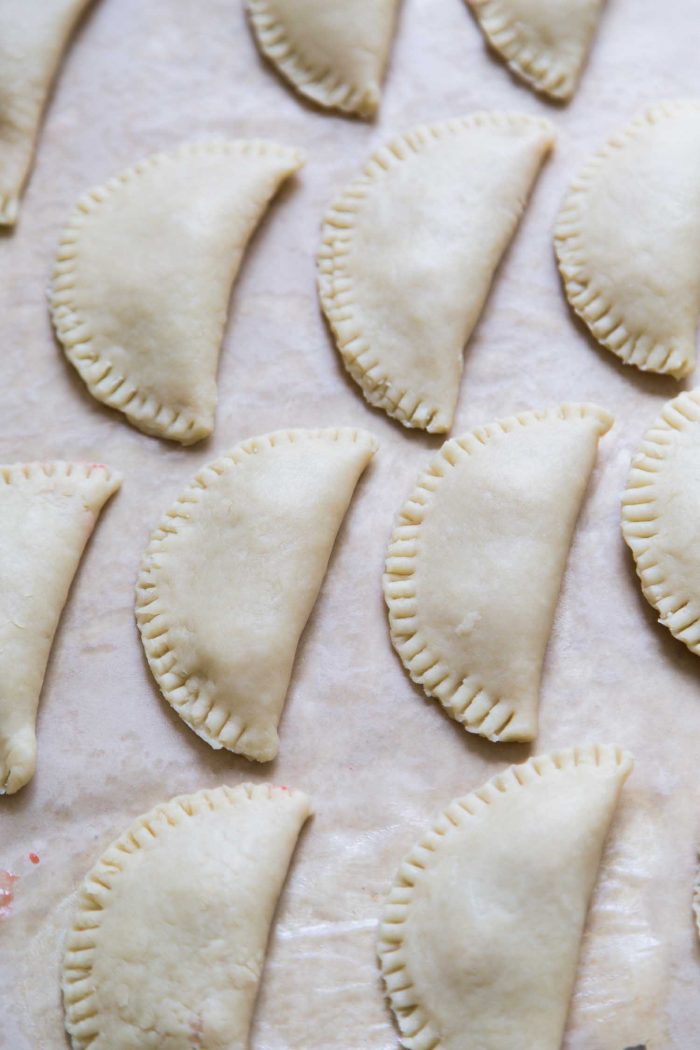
(640, 519)
(586, 296)
(321, 85)
(74, 331)
(335, 280)
(417, 1030)
(28, 474)
(217, 726)
(538, 67)
(81, 1012)
(466, 700)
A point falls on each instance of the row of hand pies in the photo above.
(232, 572)
(332, 51)
(409, 249)
(478, 942)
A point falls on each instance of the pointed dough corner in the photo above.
(628, 240)
(401, 291)
(660, 515)
(480, 936)
(47, 513)
(333, 52)
(476, 559)
(192, 885)
(143, 277)
(230, 577)
(544, 42)
(33, 38)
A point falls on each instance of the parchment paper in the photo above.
(377, 758)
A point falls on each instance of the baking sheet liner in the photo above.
(377, 758)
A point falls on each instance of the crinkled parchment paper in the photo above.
(375, 756)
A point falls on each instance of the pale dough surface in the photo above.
(232, 573)
(480, 936)
(409, 250)
(628, 237)
(476, 560)
(377, 759)
(33, 37)
(334, 52)
(191, 887)
(143, 276)
(543, 41)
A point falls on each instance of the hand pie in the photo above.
(47, 512)
(332, 51)
(480, 937)
(144, 273)
(230, 577)
(33, 37)
(409, 251)
(628, 240)
(661, 517)
(544, 42)
(476, 560)
(169, 939)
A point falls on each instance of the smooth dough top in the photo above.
(230, 578)
(168, 942)
(628, 240)
(544, 41)
(332, 51)
(476, 560)
(409, 251)
(143, 277)
(480, 938)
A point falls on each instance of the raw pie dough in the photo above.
(230, 577)
(332, 51)
(628, 240)
(476, 560)
(144, 273)
(661, 517)
(33, 37)
(409, 251)
(480, 937)
(544, 42)
(47, 512)
(168, 942)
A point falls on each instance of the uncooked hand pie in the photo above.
(661, 517)
(230, 577)
(476, 560)
(168, 941)
(144, 272)
(409, 252)
(332, 51)
(480, 937)
(628, 240)
(545, 42)
(47, 512)
(33, 36)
